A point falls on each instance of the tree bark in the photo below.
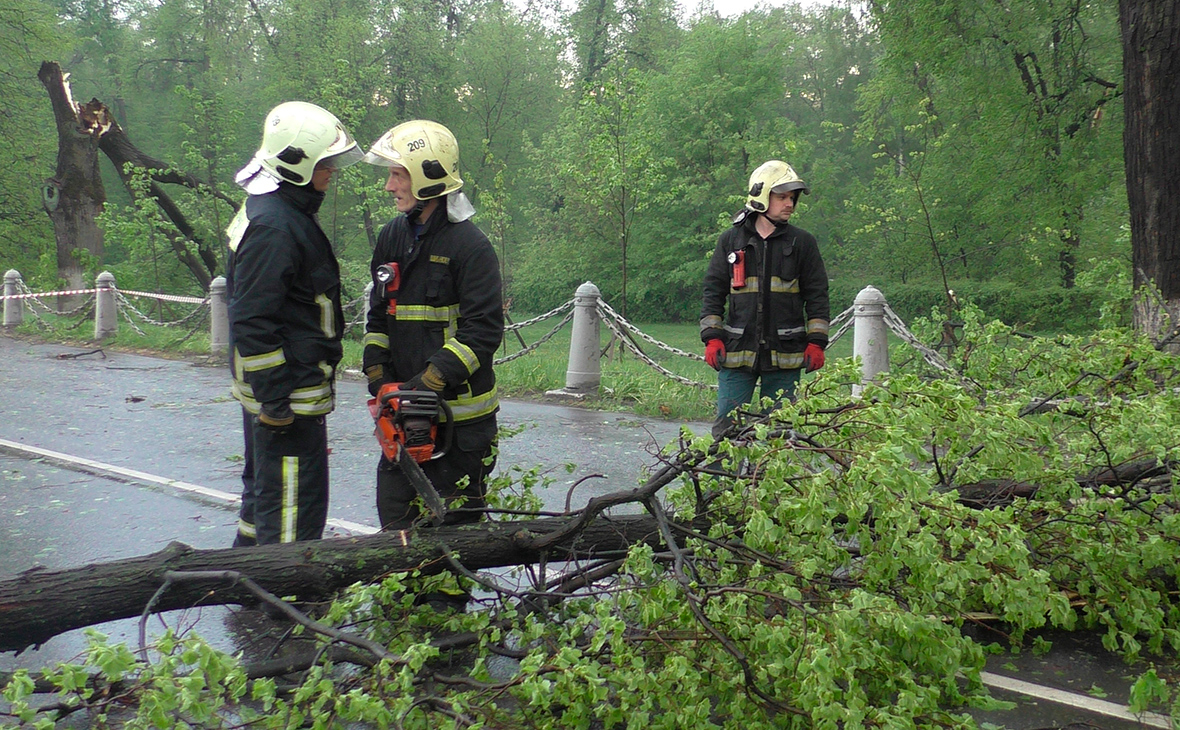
(1151, 146)
(74, 196)
(39, 604)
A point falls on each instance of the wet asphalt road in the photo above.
(177, 420)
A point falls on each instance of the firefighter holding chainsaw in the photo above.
(435, 321)
(283, 286)
(770, 277)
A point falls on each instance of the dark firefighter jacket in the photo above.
(448, 310)
(283, 284)
(783, 305)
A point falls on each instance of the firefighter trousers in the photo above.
(460, 473)
(735, 388)
(288, 497)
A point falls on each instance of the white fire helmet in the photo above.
(427, 150)
(771, 176)
(297, 136)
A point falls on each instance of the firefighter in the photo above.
(770, 277)
(439, 328)
(283, 286)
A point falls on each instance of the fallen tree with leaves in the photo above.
(817, 569)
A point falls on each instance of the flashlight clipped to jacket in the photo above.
(389, 278)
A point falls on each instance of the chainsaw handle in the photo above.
(385, 396)
(449, 427)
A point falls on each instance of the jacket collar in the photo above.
(748, 223)
(305, 198)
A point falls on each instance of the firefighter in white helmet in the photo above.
(439, 327)
(283, 289)
(764, 313)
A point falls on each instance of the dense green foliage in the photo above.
(838, 551)
(945, 143)
(27, 137)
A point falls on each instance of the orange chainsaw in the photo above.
(413, 427)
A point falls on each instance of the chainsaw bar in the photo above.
(422, 486)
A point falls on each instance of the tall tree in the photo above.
(1151, 139)
(1024, 88)
(74, 196)
(597, 170)
(27, 141)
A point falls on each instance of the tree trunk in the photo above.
(39, 604)
(74, 196)
(1151, 145)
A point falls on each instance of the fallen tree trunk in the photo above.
(40, 604)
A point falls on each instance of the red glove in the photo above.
(715, 353)
(813, 357)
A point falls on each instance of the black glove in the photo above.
(376, 376)
(429, 379)
(276, 415)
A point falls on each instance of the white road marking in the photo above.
(1074, 699)
(98, 468)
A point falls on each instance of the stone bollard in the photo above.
(870, 335)
(106, 312)
(583, 375)
(14, 309)
(218, 318)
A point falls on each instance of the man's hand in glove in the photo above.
(376, 376)
(430, 379)
(715, 353)
(276, 415)
(813, 357)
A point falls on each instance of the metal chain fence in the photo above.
(125, 303)
(843, 321)
(617, 324)
(30, 297)
(612, 314)
(540, 318)
(521, 353)
(622, 329)
(897, 326)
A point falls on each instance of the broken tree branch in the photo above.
(39, 604)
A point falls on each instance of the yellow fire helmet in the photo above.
(296, 136)
(427, 150)
(773, 175)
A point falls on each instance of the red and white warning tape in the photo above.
(125, 292)
(164, 297)
(35, 295)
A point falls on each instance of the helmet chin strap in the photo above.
(416, 211)
(776, 224)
